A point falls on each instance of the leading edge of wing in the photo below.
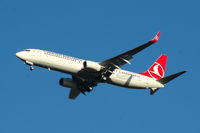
(128, 55)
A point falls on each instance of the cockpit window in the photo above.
(27, 50)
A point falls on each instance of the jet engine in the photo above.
(92, 66)
(67, 82)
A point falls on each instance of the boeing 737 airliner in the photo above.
(88, 74)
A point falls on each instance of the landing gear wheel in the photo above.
(104, 78)
(31, 68)
(88, 89)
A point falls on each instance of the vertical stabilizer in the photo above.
(157, 70)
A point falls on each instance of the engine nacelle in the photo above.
(67, 82)
(92, 66)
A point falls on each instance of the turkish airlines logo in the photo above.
(156, 71)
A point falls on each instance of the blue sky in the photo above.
(97, 30)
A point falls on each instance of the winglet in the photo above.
(156, 38)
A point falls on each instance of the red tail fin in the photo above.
(157, 70)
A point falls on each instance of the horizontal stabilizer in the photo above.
(153, 90)
(170, 77)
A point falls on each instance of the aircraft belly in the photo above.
(127, 81)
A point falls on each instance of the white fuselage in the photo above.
(71, 65)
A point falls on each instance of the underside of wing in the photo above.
(125, 57)
(74, 93)
(81, 86)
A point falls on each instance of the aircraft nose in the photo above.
(19, 54)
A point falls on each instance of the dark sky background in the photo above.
(96, 30)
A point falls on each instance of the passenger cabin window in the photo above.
(28, 50)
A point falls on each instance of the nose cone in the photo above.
(19, 55)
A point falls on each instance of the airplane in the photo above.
(87, 74)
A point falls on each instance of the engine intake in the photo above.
(67, 82)
(92, 66)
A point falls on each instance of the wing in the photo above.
(124, 58)
(74, 93)
(82, 87)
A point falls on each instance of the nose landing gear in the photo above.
(30, 64)
(31, 68)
